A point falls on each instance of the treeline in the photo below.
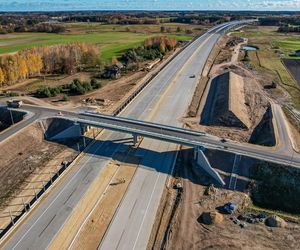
(203, 20)
(276, 187)
(125, 18)
(289, 29)
(56, 59)
(30, 22)
(153, 48)
(279, 21)
(41, 27)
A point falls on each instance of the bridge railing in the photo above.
(143, 123)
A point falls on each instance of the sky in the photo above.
(69, 5)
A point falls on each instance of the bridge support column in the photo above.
(203, 163)
(135, 139)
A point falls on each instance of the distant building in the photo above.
(113, 71)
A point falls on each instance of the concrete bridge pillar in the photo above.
(203, 163)
(135, 139)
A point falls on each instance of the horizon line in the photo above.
(148, 10)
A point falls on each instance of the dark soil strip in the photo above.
(293, 66)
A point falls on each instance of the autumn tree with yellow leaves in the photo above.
(56, 59)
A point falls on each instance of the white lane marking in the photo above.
(25, 234)
(140, 229)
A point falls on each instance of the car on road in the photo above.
(60, 114)
(192, 76)
(14, 103)
(223, 140)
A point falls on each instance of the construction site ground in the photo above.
(254, 96)
(186, 231)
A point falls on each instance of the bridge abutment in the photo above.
(203, 163)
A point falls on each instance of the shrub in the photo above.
(65, 98)
(13, 94)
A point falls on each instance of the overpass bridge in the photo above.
(180, 136)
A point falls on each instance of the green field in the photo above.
(111, 43)
(288, 46)
(113, 39)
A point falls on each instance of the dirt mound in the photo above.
(275, 221)
(263, 133)
(210, 218)
(225, 104)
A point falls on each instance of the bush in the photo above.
(44, 92)
(76, 87)
(95, 84)
(66, 98)
(13, 94)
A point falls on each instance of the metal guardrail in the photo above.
(149, 124)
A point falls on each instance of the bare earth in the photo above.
(187, 233)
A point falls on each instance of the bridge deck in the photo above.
(181, 136)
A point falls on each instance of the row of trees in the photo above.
(279, 21)
(56, 59)
(162, 43)
(24, 27)
(154, 47)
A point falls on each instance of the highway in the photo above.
(164, 101)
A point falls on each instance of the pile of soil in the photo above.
(225, 104)
(210, 218)
(258, 109)
(275, 221)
